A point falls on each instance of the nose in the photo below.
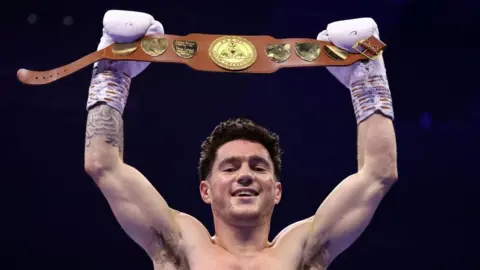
(245, 179)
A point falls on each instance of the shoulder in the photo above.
(290, 243)
(190, 226)
(297, 231)
(193, 232)
(295, 240)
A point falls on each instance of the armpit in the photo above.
(166, 248)
(316, 255)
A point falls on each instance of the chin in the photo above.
(245, 213)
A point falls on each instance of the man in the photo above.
(239, 170)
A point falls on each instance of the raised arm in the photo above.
(349, 208)
(138, 207)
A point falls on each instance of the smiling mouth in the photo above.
(245, 193)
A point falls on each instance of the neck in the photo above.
(242, 239)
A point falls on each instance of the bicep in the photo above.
(140, 210)
(345, 213)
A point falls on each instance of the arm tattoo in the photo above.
(105, 121)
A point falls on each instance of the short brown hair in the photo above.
(238, 129)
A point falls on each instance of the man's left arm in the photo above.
(349, 208)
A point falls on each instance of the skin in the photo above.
(176, 240)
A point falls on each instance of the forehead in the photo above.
(242, 148)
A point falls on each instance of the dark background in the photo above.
(53, 217)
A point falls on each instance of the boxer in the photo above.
(239, 170)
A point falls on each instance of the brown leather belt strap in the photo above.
(219, 53)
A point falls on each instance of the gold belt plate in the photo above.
(232, 52)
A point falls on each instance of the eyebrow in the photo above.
(253, 158)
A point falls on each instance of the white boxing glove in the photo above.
(111, 79)
(367, 81)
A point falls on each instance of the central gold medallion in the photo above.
(232, 52)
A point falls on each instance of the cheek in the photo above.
(220, 197)
(220, 189)
(268, 185)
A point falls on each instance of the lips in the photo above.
(245, 192)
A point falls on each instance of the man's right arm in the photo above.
(138, 207)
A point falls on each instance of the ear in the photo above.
(278, 192)
(205, 191)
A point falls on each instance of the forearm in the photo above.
(377, 153)
(104, 138)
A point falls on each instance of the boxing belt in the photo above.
(219, 53)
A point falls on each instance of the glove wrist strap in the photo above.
(111, 88)
(370, 93)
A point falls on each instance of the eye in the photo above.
(260, 169)
(228, 169)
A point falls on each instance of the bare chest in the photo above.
(260, 264)
(219, 262)
(241, 264)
